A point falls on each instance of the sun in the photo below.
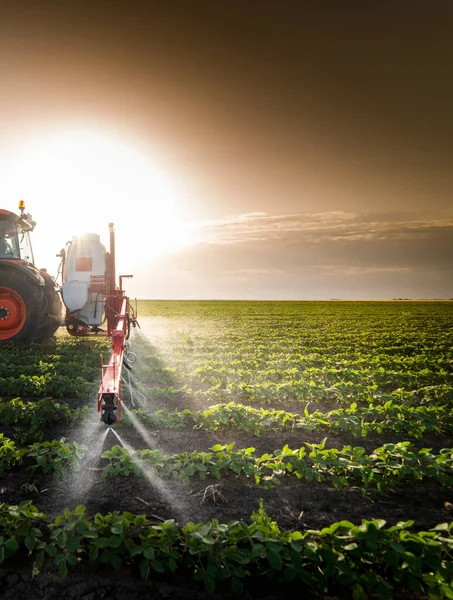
(79, 181)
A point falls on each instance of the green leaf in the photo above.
(213, 571)
(30, 542)
(448, 591)
(391, 558)
(209, 584)
(52, 551)
(63, 569)
(117, 529)
(35, 532)
(199, 575)
(11, 545)
(275, 560)
(440, 527)
(149, 553)
(103, 542)
(257, 550)
(158, 566)
(144, 569)
(351, 546)
(358, 593)
(115, 541)
(39, 559)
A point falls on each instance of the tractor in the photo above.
(31, 306)
(30, 303)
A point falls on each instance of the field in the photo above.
(319, 433)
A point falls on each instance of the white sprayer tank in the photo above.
(85, 278)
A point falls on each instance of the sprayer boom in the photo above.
(109, 395)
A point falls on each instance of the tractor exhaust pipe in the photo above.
(112, 260)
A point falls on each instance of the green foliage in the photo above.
(18, 529)
(359, 421)
(215, 554)
(386, 467)
(55, 456)
(415, 422)
(61, 368)
(121, 463)
(299, 352)
(32, 418)
(9, 454)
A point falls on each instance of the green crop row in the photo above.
(62, 367)
(336, 559)
(386, 467)
(298, 379)
(50, 384)
(30, 419)
(63, 353)
(49, 457)
(168, 382)
(357, 421)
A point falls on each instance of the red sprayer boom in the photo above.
(96, 306)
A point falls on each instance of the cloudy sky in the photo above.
(243, 148)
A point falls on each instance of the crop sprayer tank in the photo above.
(85, 279)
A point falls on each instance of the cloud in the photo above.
(315, 228)
(357, 271)
(322, 255)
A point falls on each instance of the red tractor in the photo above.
(30, 303)
(31, 306)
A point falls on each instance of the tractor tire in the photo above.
(23, 307)
(54, 307)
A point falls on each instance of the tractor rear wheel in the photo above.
(23, 307)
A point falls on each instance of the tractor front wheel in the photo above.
(23, 307)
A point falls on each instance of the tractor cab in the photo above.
(30, 303)
(15, 230)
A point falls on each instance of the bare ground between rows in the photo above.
(172, 441)
(294, 504)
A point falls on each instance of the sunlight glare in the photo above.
(79, 181)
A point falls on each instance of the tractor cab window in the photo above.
(9, 239)
(26, 252)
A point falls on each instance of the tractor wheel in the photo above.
(23, 308)
(54, 307)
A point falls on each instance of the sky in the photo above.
(244, 148)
